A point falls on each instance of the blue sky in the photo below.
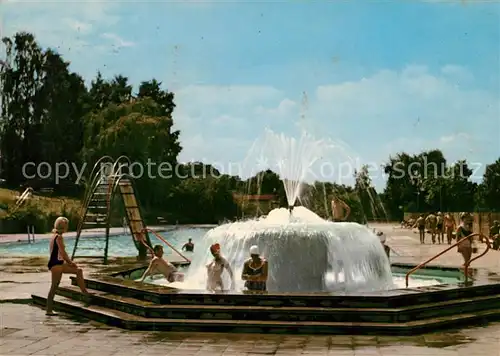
(378, 77)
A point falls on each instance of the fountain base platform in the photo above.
(124, 303)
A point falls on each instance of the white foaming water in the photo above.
(303, 250)
(293, 159)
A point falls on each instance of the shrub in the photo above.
(32, 213)
(29, 214)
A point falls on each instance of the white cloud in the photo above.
(285, 108)
(391, 111)
(70, 27)
(117, 41)
(460, 137)
(457, 72)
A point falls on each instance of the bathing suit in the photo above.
(467, 243)
(421, 226)
(439, 223)
(54, 254)
(214, 271)
(189, 247)
(254, 285)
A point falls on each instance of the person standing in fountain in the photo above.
(215, 269)
(449, 225)
(420, 224)
(60, 263)
(188, 246)
(255, 271)
(340, 210)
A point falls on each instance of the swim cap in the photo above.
(215, 248)
(254, 250)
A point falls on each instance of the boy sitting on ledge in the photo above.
(160, 266)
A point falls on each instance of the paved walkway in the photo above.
(25, 330)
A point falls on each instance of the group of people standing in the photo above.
(438, 225)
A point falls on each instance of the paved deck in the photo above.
(25, 330)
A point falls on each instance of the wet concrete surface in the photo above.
(25, 330)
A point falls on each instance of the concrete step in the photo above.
(132, 322)
(396, 298)
(252, 312)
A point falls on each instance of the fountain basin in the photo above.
(306, 254)
(121, 302)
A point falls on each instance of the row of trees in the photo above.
(49, 115)
(427, 182)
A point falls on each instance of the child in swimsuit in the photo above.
(255, 271)
(464, 230)
(215, 269)
(159, 265)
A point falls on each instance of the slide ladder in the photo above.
(97, 208)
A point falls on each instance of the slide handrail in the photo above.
(466, 265)
(166, 243)
(22, 198)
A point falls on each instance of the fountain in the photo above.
(306, 254)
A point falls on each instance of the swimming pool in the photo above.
(422, 278)
(119, 246)
(122, 246)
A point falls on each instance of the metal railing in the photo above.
(466, 265)
(22, 198)
(166, 243)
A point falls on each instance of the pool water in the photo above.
(422, 278)
(119, 246)
(122, 246)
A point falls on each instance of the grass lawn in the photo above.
(49, 204)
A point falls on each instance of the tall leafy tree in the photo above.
(65, 102)
(489, 191)
(138, 130)
(21, 79)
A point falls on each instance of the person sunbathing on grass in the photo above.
(159, 265)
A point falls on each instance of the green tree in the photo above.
(65, 102)
(368, 197)
(488, 194)
(406, 181)
(452, 192)
(21, 109)
(138, 130)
